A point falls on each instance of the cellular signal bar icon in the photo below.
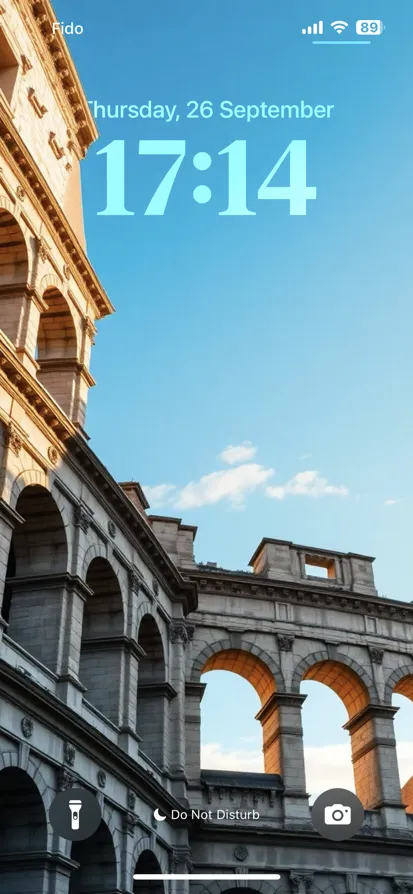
(317, 28)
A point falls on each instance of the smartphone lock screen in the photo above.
(206, 430)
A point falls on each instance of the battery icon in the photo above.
(369, 26)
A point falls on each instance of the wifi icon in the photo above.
(339, 27)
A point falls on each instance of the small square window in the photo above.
(320, 566)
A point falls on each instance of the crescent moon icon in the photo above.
(158, 815)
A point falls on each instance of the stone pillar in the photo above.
(283, 748)
(374, 757)
(20, 309)
(69, 688)
(43, 599)
(181, 863)
(179, 635)
(129, 738)
(193, 697)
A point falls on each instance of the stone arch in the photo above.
(57, 336)
(222, 887)
(23, 831)
(11, 759)
(147, 861)
(249, 661)
(98, 863)
(222, 647)
(36, 569)
(400, 681)
(154, 692)
(15, 250)
(25, 479)
(342, 674)
(50, 280)
(147, 608)
(102, 640)
(145, 843)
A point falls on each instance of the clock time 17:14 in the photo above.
(297, 193)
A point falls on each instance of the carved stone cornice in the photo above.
(225, 582)
(46, 204)
(39, 16)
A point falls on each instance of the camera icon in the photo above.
(337, 815)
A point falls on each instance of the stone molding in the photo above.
(225, 582)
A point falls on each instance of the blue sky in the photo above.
(290, 333)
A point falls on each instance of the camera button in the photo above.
(337, 814)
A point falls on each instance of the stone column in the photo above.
(129, 738)
(376, 771)
(179, 635)
(193, 697)
(181, 863)
(280, 719)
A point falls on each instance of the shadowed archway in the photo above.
(96, 857)
(154, 693)
(102, 639)
(37, 564)
(147, 864)
(23, 833)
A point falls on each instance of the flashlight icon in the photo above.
(75, 808)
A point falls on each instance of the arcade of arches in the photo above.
(350, 688)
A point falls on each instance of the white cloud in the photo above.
(239, 454)
(309, 484)
(327, 766)
(159, 494)
(305, 456)
(214, 757)
(391, 502)
(231, 484)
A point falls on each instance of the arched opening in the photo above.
(100, 665)
(153, 692)
(23, 833)
(96, 857)
(402, 699)
(33, 589)
(56, 336)
(56, 351)
(147, 864)
(249, 667)
(14, 264)
(327, 750)
(17, 308)
(333, 761)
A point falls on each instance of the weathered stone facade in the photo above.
(107, 623)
